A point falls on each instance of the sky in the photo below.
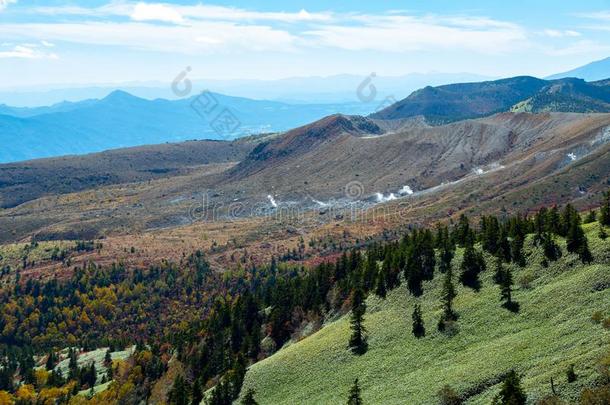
(93, 42)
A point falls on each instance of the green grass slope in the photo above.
(552, 330)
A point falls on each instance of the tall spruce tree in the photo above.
(419, 329)
(178, 395)
(511, 392)
(604, 212)
(357, 341)
(447, 297)
(499, 271)
(196, 393)
(249, 398)
(506, 291)
(472, 264)
(576, 241)
(354, 397)
(381, 284)
(551, 249)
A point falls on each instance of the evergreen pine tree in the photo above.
(108, 358)
(602, 232)
(472, 264)
(504, 245)
(249, 398)
(571, 374)
(506, 291)
(464, 235)
(380, 289)
(72, 365)
(448, 294)
(419, 329)
(354, 394)
(591, 217)
(413, 271)
(554, 221)
(551, 249)
(196, 393)
(499, 273)
(516, 250)
(178, 395)
(51, 361)
(446, 256)
(604, 212)
(357, 341)
(511, 392)
(576, 241)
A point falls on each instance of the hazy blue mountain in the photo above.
(121, 119)
(598, 70)
(309, 90)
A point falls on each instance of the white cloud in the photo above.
(4, 3)
(26, 51)
(191, 39)
(208, 28)
(178, 13)
(410, 33)
(156, 12)
(599, 15)
(560, 34)
(581, 47)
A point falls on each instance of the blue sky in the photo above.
(92, 42)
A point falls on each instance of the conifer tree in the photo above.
(506, 291)
(108, 358)
(196, 393)
(464, 235)
(380, 288)
(569, 216)
(571, 374)
(591, 217)
(446, 256)
(448, 294)
(504, 245)
(499, 271)
(516, 250)
(357, 341)
(554, 221)
(602, 232)
(490, 233)
(354, 394)
(249, 398)
(511, 392)
(576, 241)
(419, 329)
(413, 271)
(472, 264)
(178, 395)
(604, 212)
(551, 249)
(51, 361)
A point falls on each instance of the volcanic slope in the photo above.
(552, 330)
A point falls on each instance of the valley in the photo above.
(213, 271)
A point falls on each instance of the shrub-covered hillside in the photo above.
(553, 329)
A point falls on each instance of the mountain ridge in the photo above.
(455, 102)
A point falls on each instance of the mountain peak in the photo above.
(598, 70)
(119, 95)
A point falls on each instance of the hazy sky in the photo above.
(84, 42)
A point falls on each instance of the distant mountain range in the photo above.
(296, 90)
(122, 120)
(593, 71)
(455, 102)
